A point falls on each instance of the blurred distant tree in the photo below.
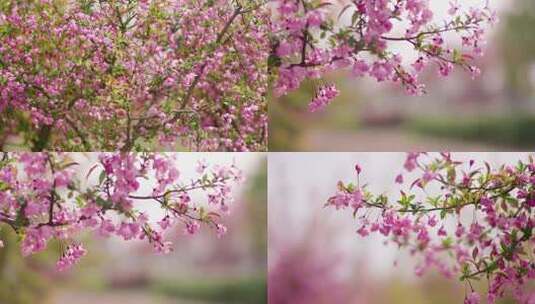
(18, 283)
(518, 43)
(286, 119)
(257, 213)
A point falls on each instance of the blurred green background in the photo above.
(494, 112)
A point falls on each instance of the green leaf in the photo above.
(3, 186)
(101, 177)
(103, 203)
(274, 60)
(447, 242)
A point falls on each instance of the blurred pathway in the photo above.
(113, 297)
(378, 139)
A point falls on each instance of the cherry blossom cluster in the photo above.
(43, 198)
(312, 38)
(473, 221)
(132, 74)
(323, 97)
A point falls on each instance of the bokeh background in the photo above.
(495, 112)
(202, 269)
(315, 255)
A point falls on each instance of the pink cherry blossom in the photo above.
(110, 203)
(495, 244)
(313, 38)
(472, 298)
(70, 256)
(324, 96)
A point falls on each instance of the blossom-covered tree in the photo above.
(492, 210)
(43, 197)
(314, 37)
(101, 75)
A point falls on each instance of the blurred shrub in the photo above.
(256, 197)
(515, 131)
(518, 46)
(224, 290)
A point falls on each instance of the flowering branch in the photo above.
(498, 242)
(42, 198)
(309, 42)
